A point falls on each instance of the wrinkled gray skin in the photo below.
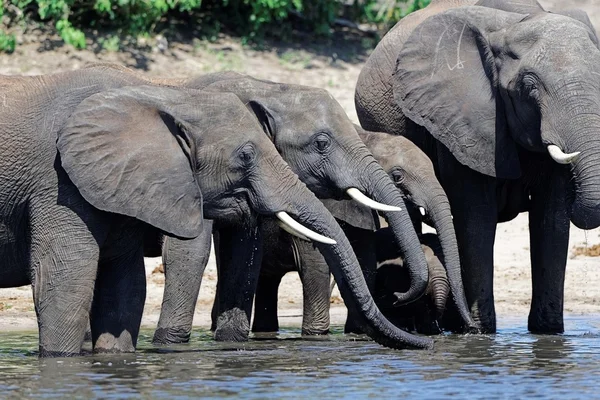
(129, 159)
(483, 92)
(424, 315)
(315, 137)
(413, 174)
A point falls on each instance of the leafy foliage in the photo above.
(252, 19)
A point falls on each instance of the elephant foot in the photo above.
(108, 343)
(315, 331)
(545, 323)
(171, 336)
(484, 318)
(232, 326)
(50, 354)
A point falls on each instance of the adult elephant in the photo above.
(507, 105)
(412, 172)
(315, 137)
(80, 183)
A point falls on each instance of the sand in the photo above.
(335, 69)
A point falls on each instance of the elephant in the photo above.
(424, 315)
(92, 159)
(316, 138)
(507, 106)
(412, 172)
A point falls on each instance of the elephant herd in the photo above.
(471, 112)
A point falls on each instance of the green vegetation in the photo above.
(7, 42)
(253, 20)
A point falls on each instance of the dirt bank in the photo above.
(336, 69)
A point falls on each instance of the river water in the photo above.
(510, 364)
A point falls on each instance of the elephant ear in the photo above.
(126, 153)
(446, 81)
(353, 213)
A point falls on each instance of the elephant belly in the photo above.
(513, 199)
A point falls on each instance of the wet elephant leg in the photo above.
(64, 260)
(549, 234)
(265, 303)
(119, 296)
(364, 244)
(316, 288)
(239, 259)
(473, 200)
(184, 263)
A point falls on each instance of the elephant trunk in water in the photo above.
(379, 184)
(438, 208)
(345, 268)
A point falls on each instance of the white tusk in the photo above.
(365, 201)
(302, 230)
(422, 210)
(291, 231)
(557, 155)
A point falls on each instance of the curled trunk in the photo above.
(439, 287)
(382, 188)
(350, 280)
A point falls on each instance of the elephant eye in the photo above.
(322, 142)
(397, 176)
(247, 153)
(530, 85)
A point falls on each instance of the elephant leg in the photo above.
(119, 295)
(316, 288)
(474, 207)
(240, 256)
(184, 262)
(549, 235)
(64, 260)
(364, 244)
(265, 303)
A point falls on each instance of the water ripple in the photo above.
(512, 363)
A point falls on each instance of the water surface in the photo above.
(511, 364)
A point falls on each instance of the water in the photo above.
(511, 364)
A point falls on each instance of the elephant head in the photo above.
(161, 155)
(488, 83)
(319, 142)
(413, 173)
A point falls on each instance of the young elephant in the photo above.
(413, 174)
(423, 315)
(505, 100)
(92, 159)
(316, 138)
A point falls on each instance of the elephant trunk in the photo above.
(581, 140)
(347, 272)
(438, 207)
(381, 187)
(439, 287)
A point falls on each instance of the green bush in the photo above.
(252, 19)
(7, 42)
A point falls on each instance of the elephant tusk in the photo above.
(422, 211)
(560, 157)
(302, 230)
(365, 201)
(291, 231)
